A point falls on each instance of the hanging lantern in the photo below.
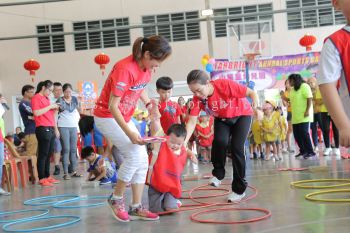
(31, 65)
(102, 59)
(307, 41)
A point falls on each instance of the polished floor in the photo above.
(290, 211)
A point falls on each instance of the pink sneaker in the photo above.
(141, 213)
(52, 180)
(118, 209)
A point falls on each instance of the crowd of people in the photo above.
(219, 119)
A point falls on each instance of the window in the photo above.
(220, 25)
(106, 38)
(312, 18)
(173, 32)
(50, 44)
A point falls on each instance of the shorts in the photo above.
(98, 138)
(135, 159)
(289, 116)
(57, 147)
(159, 202)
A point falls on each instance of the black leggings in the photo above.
(326, 122)
(238, 128)
(46, 139)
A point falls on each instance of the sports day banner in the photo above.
(267, 73)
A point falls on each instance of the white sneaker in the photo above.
(316, 149)
(4, 193)
(336, 151)
(327, 151)
(215, 182)
(234, 197)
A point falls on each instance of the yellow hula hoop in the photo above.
(311, 198)
(297, 184)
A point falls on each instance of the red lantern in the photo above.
(31, 65)
(102, 59)
(307, 41)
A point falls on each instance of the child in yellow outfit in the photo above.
(257, 134)
(270, 128)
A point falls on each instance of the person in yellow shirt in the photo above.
(269, 126)
(286, 103)
(256, 137)
(323, 119)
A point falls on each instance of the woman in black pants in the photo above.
(45, 131)
(226, 101)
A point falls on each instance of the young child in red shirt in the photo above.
(205, 134)
(170, 111)
(334, 75)
(166, 165)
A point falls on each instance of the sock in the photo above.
(134, 206)
(115, 197)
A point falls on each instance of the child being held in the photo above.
(100, 168)
(166, 165)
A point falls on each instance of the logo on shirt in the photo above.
(170, 110)
(138, 87)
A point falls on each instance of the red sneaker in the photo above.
(118, 209)
(52, 180)
(141, 213)
(45, 182)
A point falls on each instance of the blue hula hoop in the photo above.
(45, 211)
(61, 204)
(33, 202)
(7, 227)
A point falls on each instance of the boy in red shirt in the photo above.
(170, 111)
(166, 165)
(334, 75)
(205, 134)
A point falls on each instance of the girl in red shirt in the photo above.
(205, 135)
(226, 101)
(123, 88)
(46, 130)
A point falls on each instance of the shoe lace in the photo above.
(119, 204)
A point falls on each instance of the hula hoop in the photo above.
(266, 212)
(61, 204)
(32, 202)
(296, 184)
(311, 198)
(7, 227)
(227, 191)
(45, 211)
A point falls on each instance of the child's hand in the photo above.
(344, 137)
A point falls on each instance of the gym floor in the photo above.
(290, 211)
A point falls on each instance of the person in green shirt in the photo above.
(302, 114)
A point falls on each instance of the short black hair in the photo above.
(87, 151)
(66, 86)
(57, 84)
(177, 129)
(26, 88)
(165, 83)
(21, 135)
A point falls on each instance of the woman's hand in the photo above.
(55, 106)
(135, 138)
(57, 133)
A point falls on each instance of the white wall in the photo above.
(73, 66)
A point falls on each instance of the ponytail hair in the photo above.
(46, 84)
(158, 47)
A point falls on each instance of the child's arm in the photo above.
(336, 110)
(89, 176)
(102, 173)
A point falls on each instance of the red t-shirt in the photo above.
(184, 111)
(170, 112)
(205, 142)
(227, 101)
(47, 119)
(127, 81)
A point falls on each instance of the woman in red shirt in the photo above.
(226, 101)
(45, 130)
(123, 88)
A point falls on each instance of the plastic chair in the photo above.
(27, 164)
(6, 178)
